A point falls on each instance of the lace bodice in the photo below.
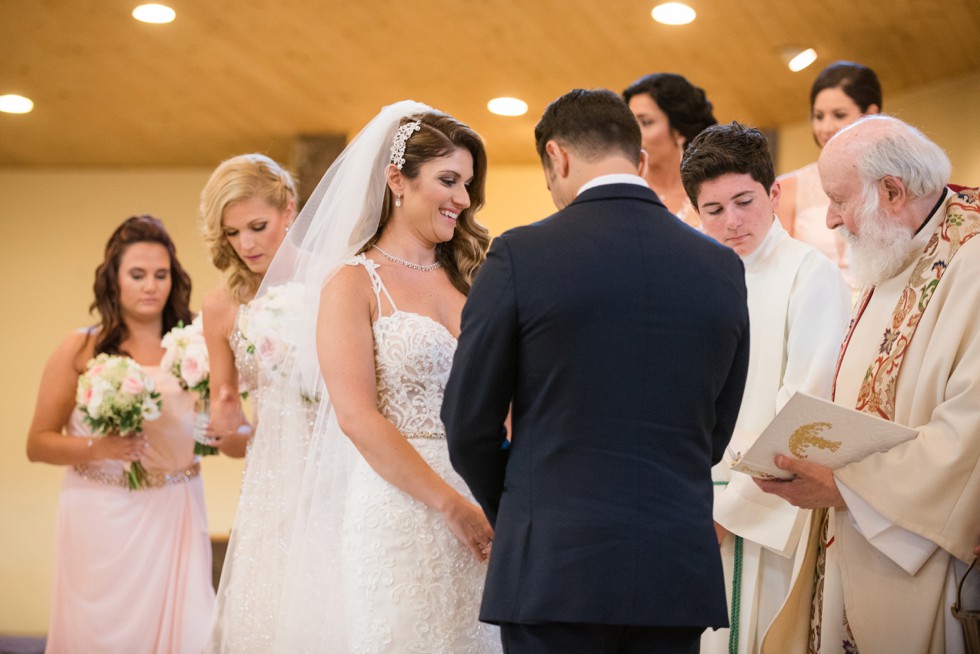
(413, 356)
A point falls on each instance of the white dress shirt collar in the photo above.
(615, 178)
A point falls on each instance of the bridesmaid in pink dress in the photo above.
(132, 568)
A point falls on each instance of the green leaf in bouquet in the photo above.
(201, 449)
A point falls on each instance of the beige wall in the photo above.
(53, 226)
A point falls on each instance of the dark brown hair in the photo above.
(441, 135)
(687, 107)
(137, 229)
(723, 149)
(595, 123)
(858, 82)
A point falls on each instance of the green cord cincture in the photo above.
(736, 590)
(736, 597)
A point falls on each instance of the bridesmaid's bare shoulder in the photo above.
(219, 309)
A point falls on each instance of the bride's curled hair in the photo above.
(441, 135)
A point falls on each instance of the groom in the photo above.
(618, 337)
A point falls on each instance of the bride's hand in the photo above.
(468, 523)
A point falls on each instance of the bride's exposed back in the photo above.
(389, 549)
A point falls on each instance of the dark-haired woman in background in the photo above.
(842, 93)
(132, 568)
(671, 112)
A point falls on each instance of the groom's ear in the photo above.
(557, 159)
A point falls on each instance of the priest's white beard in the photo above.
(882, 249)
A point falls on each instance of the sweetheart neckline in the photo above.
(423, 316)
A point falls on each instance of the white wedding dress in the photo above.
(409, 584)
(371, 569)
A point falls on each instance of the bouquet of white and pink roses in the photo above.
(267, 319)
(116, 396)
(186, 358)
(268, 324)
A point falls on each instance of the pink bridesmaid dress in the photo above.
(132, 569)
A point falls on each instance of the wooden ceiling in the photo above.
(230, 76)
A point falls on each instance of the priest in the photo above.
(798, 308)
(881, 569)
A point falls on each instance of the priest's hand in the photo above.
(812, 488)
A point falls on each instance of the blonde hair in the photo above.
(440, 135)
(240, 178)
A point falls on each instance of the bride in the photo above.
(388, 552)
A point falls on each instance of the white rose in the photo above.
(167, 362)
(150, 410)
(94, 406)
(169, 340)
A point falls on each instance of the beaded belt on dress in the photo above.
(426, 434)
(154, 479)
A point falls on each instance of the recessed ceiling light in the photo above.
(673, 13)
(154, 13)
(15, 104)
(802, 60)
(507, 107)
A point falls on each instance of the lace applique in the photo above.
(413, 357)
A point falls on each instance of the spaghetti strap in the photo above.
(372, 270)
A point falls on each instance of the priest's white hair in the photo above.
(900, 150)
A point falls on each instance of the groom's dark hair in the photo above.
(595, 123)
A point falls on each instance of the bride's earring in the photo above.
(398, 200)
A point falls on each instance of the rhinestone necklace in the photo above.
(408, 264)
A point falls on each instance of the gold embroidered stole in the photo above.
(962, 222)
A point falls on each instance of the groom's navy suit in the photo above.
(620, 338)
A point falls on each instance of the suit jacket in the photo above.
(620, 337)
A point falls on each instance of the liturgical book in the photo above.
(819, 431)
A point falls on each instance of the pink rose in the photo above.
(132, 385)
(269, 350)
(193, 369)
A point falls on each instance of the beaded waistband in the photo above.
(154, 478)
(440, 435)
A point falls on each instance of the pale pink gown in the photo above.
(132, 569)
